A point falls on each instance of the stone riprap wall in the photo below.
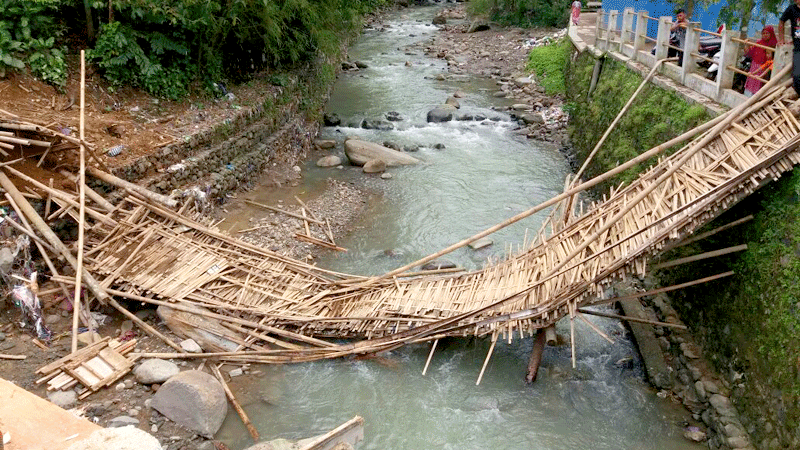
(234, 152)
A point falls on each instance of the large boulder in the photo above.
(478, 24)
(374, 166)
(207, 332)
(193, 399)
(359, 152)
(125, 438)
(442, 113)
(329, 161)
(155, 371)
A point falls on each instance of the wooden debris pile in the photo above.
(93, 367)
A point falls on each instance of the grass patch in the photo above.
(548, 63)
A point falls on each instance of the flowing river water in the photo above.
(484, 174)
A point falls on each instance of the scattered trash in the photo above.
(31, 308)
(179, 167)
(115, 150)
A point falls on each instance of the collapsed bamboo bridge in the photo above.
(279, 310)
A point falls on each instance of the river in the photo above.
(484, 174)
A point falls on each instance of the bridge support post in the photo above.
(662, 39)
(536, 356)
(598, 29)
(612, 29)
(782, 58)
(625, 38)
(641, 32)
(729, 52)
(690, 46)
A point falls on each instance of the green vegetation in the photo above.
(523, 13)
(549, 62)
(28, 33)
(750, 323)
(165, 46)
(656, 116)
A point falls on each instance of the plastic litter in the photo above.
(179, 167)
(115, 150)
(31, 309)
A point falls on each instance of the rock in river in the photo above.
(193, 399)
(359, 152)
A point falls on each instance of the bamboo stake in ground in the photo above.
(236, 405)
(76, 304)
(49, 235)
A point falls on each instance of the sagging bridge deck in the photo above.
(281, 308)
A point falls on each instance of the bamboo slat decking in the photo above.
(147, 252)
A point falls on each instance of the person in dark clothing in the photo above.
(792, 15)
(678, 32)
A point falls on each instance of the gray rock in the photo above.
(237, 372)
(439, 19)
(459, 94)
(52, 319)
(122, 421)
(329, 161)
(393, 116)
(711, 387)
(361, 64)
(695, 434)
(443, 113)
(6, 259)
(325, 144)
(125, 438)
(690, 350)
(155, 371)
(275, 444)
(376, 124)
(452, 101)
(481, 243)
(331, 120)
(194, 400)
(374, 166)
(737, 442)
(532, 118)
(500, 94)
(478, 24)
(386, 176)
(520, 106)
(700, 389)
(191, 346)
(64, 399)
(437, 264)
(359, 152)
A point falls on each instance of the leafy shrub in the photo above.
(525, 13)
(120, 54)
(28, 31)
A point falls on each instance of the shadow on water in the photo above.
(484, 174)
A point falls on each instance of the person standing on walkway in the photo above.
(792, 15)
(760, 60)
(576, 12)
(678, 34)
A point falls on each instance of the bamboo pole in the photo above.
(49, 235)
(430, 356)
(488, 357)
(122, 184)
(631, 319)
(235, 403)
(701, 256)
(664, 289)
(288, 213)
(619, 116)
(76, 304)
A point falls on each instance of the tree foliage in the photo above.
(526, 13)
(164, 45)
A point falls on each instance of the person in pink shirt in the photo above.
(576, 11)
